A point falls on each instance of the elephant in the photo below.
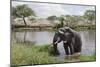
(71, 40)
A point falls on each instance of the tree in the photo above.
(52, 18)
(89, 15)
(62, 19)
(68, 20)
(32, 19)
(71, 20)
(22, 11)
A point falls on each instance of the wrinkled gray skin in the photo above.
(71, 40)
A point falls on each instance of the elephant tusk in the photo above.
(56, 42)
(61, 32)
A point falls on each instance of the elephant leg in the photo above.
(71, 47)
(55, 49)
(66, 48)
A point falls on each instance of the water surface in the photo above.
(46, 37)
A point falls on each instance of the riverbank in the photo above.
(78, 28)
(30, 54)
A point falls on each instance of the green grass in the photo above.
(88, 58)
(29, 54)
(23, 54)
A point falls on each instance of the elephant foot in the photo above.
(57, 53)
(77, 54)
(71, 53)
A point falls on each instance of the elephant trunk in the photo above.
(57, 41)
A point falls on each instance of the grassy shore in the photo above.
(30, 54)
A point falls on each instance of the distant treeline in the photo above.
(73, 21)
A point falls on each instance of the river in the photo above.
(46, 37)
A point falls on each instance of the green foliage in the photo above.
(32, 18)
(52, 18)
(61, 21)
(24, 53)
(22, 11)
(89, 15)
(14, 14)
(88, 58)
(56, 26)
(70, 21)
(73, 21)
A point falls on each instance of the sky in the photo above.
(43, 10)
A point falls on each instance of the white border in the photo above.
(5, 33)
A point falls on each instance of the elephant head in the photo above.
(64, 34)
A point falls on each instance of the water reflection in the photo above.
(88, 41)
(45, 37)
(39, 38)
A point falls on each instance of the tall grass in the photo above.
(23, 54)
(29, 54)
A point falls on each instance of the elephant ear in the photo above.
(69, 30)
